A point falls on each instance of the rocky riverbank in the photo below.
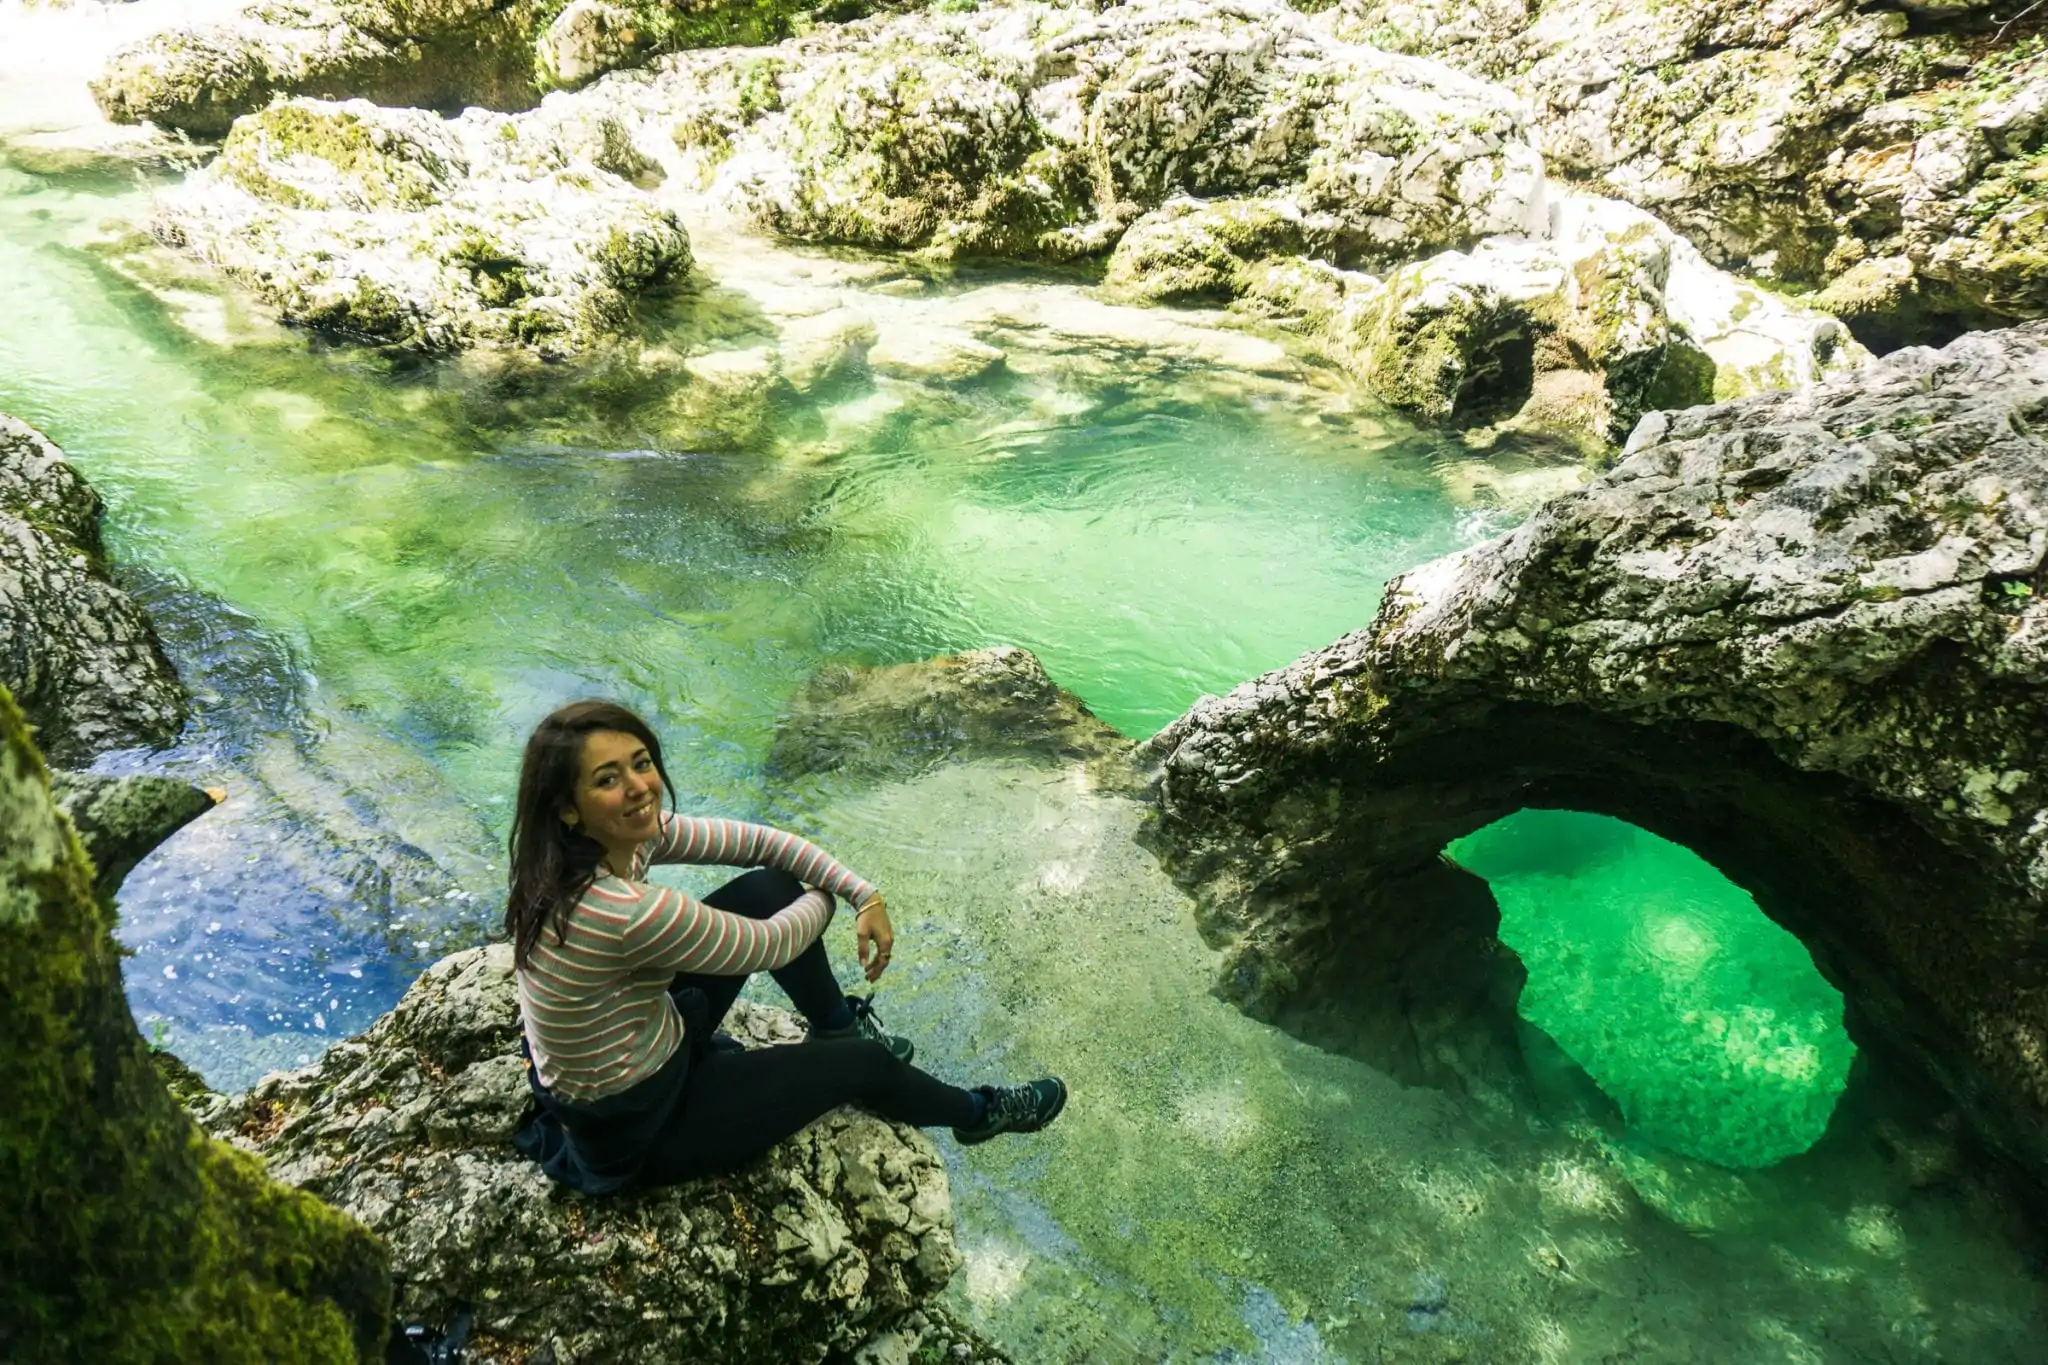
(75, 650)
(1393, 217)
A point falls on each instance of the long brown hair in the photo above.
(553, 863)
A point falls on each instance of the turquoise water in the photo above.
(375, 576)
(408, 565)
(1704, 1021)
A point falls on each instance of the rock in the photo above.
(1033, 130)
(817, 350)
(127, 1235)
(399, 227)
(121, 819)
(430, 54)
(75, 650)
(1194, 251)
(830, 1239)
(1797, 139)
(436, 54)
(1579, 332)
(728, 400)
(905, 718)
(1805, 634)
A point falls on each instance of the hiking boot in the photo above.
(1016, 1109)
(866, 1024)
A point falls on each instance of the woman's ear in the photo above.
(569, 816)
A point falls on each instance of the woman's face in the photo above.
(618, 792)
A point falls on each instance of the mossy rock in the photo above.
(129, 1235)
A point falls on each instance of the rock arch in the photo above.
(1803, 635)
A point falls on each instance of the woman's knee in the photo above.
(757, 894)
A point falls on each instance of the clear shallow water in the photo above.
(378, 579)
(375, 580)
(1707, 1023)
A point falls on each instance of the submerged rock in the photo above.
(834, 1237)
(76, 651)
(401, 227)
(1805, 635)
(1808, 141)
(904, 718)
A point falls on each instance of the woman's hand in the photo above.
(872, 931)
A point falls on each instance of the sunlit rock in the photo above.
(400, 227)
(434, 54)
(430, 53)
(836, 1235)
(1802, 634)
(1034, 130)
(74, 649)
(1801, 140)
(1577, 328)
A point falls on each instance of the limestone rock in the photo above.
(833, 1237)
(1799, 139)
(400, 227)
(78, 653)
(907, 717)
(121, 819)
(824, 347)
(1579, 331)
(1805, 634)
(439, 54)
(1037, 130)
(940, 356)
(432, 54)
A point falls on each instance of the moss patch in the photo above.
(129, 1235)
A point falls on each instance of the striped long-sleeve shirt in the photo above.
(595, 1005)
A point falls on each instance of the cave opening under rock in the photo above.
(1703, 1021)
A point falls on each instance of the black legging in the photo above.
(736, 1105)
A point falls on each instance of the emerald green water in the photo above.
(1705, 1022)
(375, 577)
(427, 559)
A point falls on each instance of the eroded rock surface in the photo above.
(1805, 634)
(832, 1239)
(433, 54)
(1579, 329)
(75, 650)
(1213, 150)
(1888, 152)
(121, 819)
(397, 226)
(906, 717)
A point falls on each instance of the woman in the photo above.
(622, 984)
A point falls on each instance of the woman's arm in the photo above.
(738, 843)
(677, 932)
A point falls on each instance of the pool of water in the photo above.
(1706, 1023)
(378, 576)
(375, 576)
